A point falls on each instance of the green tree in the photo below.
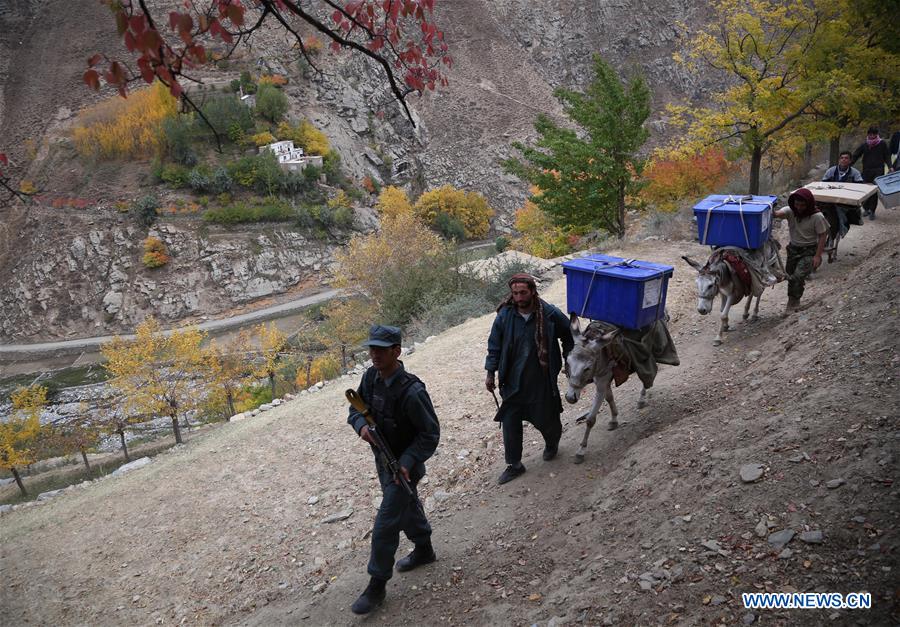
(586, 174)
(271, 103)
(858, 46)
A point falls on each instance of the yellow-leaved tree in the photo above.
(159, 374)
(347, 324)
(271, 343)
(229, 366)
(305, 136)
(19, 431)
(368, 260)
(121, 128)
(471, 209)
(539, 235)
(393, 201)
(78, 434)
(759, 48)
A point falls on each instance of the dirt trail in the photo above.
(230, 528)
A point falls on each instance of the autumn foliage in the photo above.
(469, 208)
(154, 372)
(19, 431)
(155, 253)
(168, 44)
(123, 129)
(393, 202)
(675, 179)
(539, 235)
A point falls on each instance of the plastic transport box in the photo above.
(889, 189)
(743, 221)
(627, 293)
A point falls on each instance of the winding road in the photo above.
(9, 352)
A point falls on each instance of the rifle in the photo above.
(387, 456)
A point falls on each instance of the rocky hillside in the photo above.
(509, 57)
(766, 464)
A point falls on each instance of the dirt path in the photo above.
(230, 528)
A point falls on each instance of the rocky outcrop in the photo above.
(89, 279)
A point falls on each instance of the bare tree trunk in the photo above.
(620, 213)
(84, 457)
(755, 162)
(230, 398)
(21, 485)
(176, 428)
(121, 433)
(834, 150)
(309, 360)
(343, 356)
(272, 384)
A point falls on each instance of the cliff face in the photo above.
(89, 278)
(76, 271)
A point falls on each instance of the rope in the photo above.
(624, 263)
(728, 200)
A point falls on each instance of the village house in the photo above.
(291, 158)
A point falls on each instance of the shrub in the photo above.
(313, 45)
(540, 237)
(469, 208)
(238, 213)
(340, 200)
(178, 137)
(451, 228)
(147, 210)
(371, 185)
(175, 175)
(227, 114)
(343, 217)
(393, 201)
(501, 243)
(121, 128)
(246, 82)
(277, 80)
(221, 181)
(155, 253)
(305, 136)
(262, 139)
(199, 180)
(331, 167)
(670, 181)
(234, 85)
(374, 265)
(322, 368)
(271, 103)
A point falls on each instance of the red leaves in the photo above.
(399, 33)
(92, 79)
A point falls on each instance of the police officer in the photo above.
(406, 419)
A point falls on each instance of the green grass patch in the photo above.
(240, 212)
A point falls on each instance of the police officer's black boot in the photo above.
(419, 556)
(372, 597)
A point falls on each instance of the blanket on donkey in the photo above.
(638, 351)
(762, 265)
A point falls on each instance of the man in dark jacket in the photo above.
(406, 419)
(523, 349)
(875, 156)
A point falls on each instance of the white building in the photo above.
(290, 158)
